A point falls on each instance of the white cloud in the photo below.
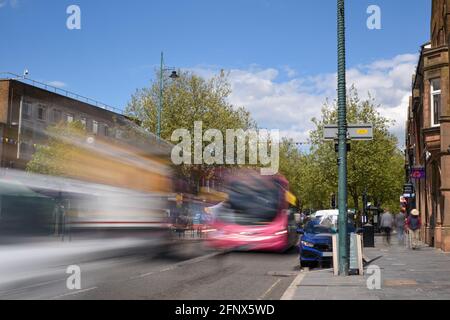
(290, 72)
(291, 104)
(12, 3)
(57, 84)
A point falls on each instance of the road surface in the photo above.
(134, 271)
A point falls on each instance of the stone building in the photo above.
(428, 130)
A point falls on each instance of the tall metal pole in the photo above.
(161, 88)
(342, 134)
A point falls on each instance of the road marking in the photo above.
(290, 292)
(74, 293)
(178, 265)
(270, 289)
(282, 274)
(33, 286)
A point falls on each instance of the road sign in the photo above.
(356, 132)
(418, 173)
(408, 188)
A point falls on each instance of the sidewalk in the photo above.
(405, 275)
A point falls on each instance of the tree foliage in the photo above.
(52, 158)
(376, 166)
(188, 99)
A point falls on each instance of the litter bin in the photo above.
(369, 236)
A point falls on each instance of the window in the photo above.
(42, 113)
(435, 102)
(119, 134)
(26, 110)
(27, 149)
(94, 127)
(84, 122)
(106, 130)
(57, 115)
(69, 118)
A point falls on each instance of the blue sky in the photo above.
(284, 44)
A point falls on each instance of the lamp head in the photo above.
(174, 75)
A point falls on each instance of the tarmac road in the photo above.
(134, 271)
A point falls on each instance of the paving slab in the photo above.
(406, 274)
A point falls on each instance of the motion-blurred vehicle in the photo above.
(103, 183)
(140, 182)
(259, 215)
(316, 245)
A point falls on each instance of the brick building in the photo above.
(428, 130)
(104, 178)
(28, 107)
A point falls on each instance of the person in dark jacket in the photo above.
(413, 225)
(400, 221)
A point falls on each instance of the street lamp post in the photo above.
(342, 135)
(174, 75)
(161, 87)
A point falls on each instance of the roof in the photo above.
(146, 137)
(9, 76)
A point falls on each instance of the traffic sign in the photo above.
(408, 188)
(356, 132)
(418, 173)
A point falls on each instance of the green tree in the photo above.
(51, 158)
(307, 182)
(377, 165)
(188, 99)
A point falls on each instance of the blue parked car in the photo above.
(316, 246)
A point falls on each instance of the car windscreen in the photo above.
(315, 227)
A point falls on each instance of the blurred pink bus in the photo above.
(259, 215)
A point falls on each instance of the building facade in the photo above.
(28, 108)
(428, 131)
(114, 174)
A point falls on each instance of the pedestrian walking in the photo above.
(413, 225)
(400, 221)
(386, 224)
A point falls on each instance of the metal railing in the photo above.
(63, 92)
